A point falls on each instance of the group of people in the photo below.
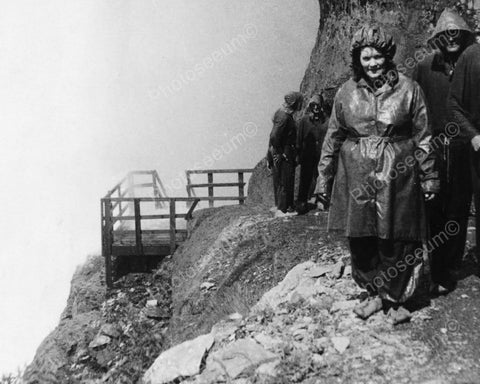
(399, 163)
(291, 145)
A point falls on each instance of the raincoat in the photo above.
(310, 136)
(282, 144)
(377, 151)
(434, 75)
(464, 108)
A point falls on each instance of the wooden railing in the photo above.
(118, 241)
(210, 184)
(127, 214)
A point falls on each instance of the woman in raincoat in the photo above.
(377, 152)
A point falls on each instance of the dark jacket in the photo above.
(283, 135)
(381, 140)
(464, 99)
(434, 75)
(310, 136)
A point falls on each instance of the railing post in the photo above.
(210, 189)
(189, 190)
(189, 181)
(156, 192)
(120, 202)
(138, 228)
(173, 227)
(131, 192)
(107, 240)
(241, 190)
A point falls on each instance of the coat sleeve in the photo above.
(299, 143)
(334, 138)
(280, 123)
(422, 136)
(456, 99)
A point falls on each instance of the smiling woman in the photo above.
(82, 104)
(373, 62)
(377, 123)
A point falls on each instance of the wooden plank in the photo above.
(156, 191)
(138, 228)
(143, 185)
(152, 199)
(126, 232)
(210, 189)
(173, 224)
(244, 170)
(141, 172)
(131, 191)
(149, 217)
(189, 182)
(110, 193)
(128, 239)
(123, 210)
(180, 199)
(155, 250)
(108, 236)
(241, 187)
(188, 216)
(163, 192)
(119, 203)
(221, 198)
(216, 185)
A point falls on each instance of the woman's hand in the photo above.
(429, 196)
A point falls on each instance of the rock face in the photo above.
(243, 251)
(410, 22)
(74, 330)
(260, 186)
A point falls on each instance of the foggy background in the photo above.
(92, 89)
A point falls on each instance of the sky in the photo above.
(93, 89)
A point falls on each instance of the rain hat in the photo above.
(373, 36)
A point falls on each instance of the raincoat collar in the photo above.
(362, 83)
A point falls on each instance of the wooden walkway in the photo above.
(138, 219)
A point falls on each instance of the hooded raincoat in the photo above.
(282, 145)
(310, 135)
(434, 75)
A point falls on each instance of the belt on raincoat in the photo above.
(387, 139)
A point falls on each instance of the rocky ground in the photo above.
(304, 331)
(253, 298)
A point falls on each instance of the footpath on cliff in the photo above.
(253, 298)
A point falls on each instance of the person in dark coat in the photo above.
(464, 111)
(451, 35)
(282, 151)
(311, 132)
(377, 150)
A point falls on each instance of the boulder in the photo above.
(179, 361)
(239, 358)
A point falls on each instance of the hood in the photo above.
(292, 99)
(374, 36)
(317, 99)
(449, 19)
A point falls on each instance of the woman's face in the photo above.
(373, 62)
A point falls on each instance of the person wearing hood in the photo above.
(377, 152)
(463, 106)
(434, 74)
(282, 154)
(311, 132)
